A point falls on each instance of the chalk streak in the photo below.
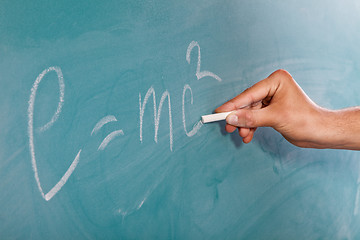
(203, 74)
(102, 122)
(141, 203)
(165, 94)
(157, 113)
(142, 108)
(199, 124)
(31, 103)
(199, 74)
(357, 199)
(61, 96)
(356, 209)
(110, 137)
(64, 178)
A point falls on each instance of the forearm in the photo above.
(341, 129)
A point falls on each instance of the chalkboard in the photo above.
(100, 105)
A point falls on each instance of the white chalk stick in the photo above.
(214, 117)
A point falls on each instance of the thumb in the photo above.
(251, 118)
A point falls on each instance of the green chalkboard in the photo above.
(100, 104)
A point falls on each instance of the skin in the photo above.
(280, 103)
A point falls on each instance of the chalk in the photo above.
(214, 117)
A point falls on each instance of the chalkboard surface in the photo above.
(100, 104)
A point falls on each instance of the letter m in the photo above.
(157, 113)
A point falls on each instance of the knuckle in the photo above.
(282, 72)
(282, 75)
(249, 119)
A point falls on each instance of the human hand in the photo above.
(280, 103)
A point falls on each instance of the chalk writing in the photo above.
(110, 118)
(157, 113)
(357, 198)
(199, 124)
(110, 137)
(47, 126)
(199, 74)
(102, 122)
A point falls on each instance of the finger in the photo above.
(250, 136)
(254, 94)
(243, 132)
(230, 128)
(246, 118)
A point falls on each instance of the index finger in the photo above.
(256, 93)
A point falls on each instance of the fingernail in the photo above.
(232, 119)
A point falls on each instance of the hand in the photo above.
(280, 103)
